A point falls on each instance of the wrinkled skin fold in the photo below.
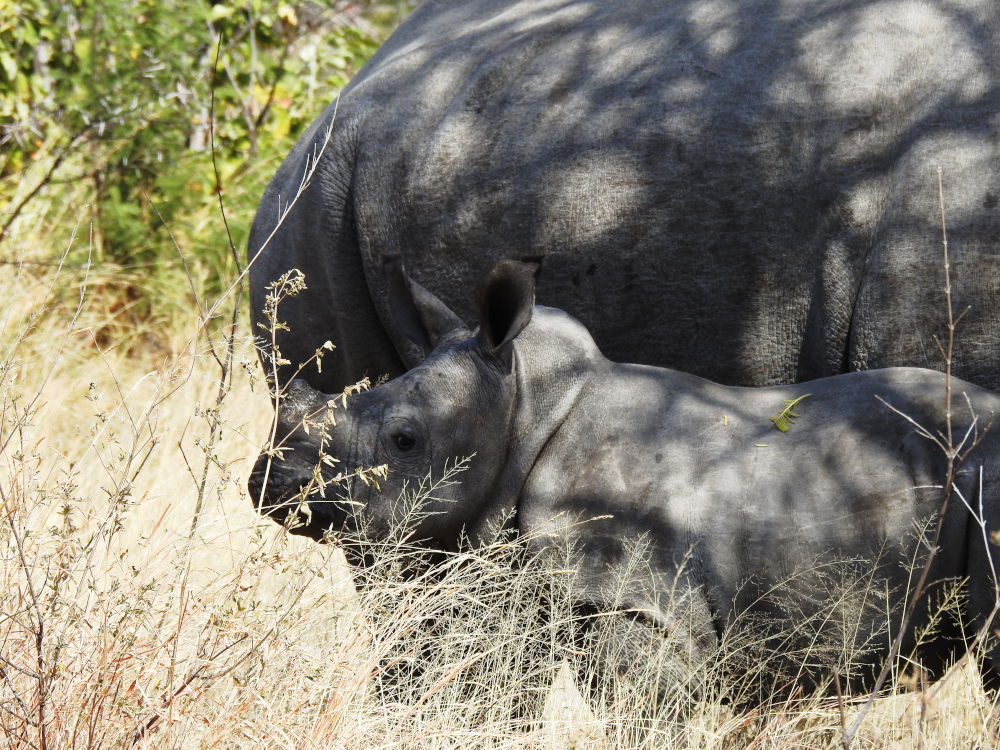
(703, 508)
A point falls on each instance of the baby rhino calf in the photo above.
(743, 503)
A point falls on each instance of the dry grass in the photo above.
(129, 621)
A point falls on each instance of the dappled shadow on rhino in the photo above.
(675, 499)
(744, 190)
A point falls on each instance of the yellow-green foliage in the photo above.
(105, 123)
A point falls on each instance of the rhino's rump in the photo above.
(745, 191)
(744, 194)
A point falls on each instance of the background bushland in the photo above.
(106, 125)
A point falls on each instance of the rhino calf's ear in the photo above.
(506, 297)
(419, 315)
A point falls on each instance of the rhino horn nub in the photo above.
(297, 402)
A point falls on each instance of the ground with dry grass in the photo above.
(145, 603)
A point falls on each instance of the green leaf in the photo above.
(786, 417)
(282, 123)
(221, 11)
(9, 65)
(82, 49)
(287, 14)
(21, 85)
(29, 34)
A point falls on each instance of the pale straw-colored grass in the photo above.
(127, 622)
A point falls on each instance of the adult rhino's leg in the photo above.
(317, 236)
(900, 307)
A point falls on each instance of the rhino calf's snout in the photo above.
(296, 402)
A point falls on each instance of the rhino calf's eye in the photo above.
(404, 441)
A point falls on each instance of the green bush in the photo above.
(104, 117)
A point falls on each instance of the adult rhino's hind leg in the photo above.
(318, 237)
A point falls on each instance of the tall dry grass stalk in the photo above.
(143, 602)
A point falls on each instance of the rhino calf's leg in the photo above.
(641, 676)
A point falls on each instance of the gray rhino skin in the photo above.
(725, 506)
(746, 190)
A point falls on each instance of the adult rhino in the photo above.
(743, 190)
(727, 509)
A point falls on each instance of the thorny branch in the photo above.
(955, 455)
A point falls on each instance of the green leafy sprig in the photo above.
(787, 416)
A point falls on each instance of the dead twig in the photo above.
(954, 455)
